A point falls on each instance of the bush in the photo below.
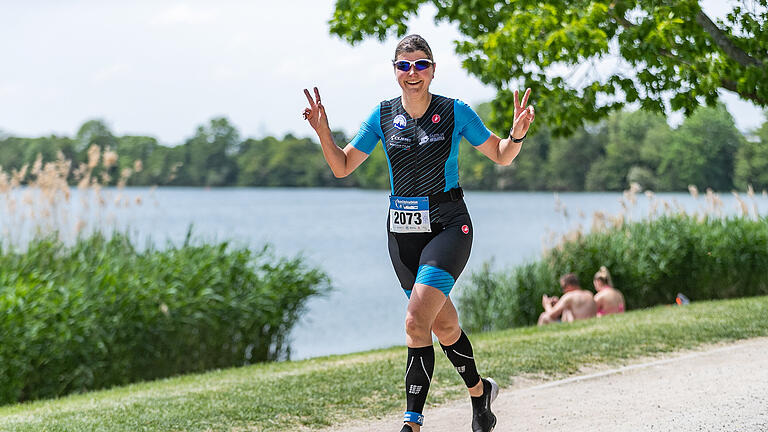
(100, 313)
(650, 262)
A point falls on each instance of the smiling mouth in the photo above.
(413, 82)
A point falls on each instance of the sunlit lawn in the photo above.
(319, 392)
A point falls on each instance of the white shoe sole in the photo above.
(494, 389)
(494, 394)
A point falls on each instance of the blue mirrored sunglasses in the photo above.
(405, 65)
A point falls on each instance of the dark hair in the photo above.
(569, 279)
(413, 43)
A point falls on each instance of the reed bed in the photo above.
(83, 308)
(37, 200)
(709, 253)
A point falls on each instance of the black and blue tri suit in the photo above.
(423, 162)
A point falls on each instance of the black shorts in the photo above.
(436, 258)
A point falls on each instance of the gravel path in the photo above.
(723, 388)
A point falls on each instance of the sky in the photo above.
(163, 68)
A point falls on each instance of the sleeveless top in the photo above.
(422, 153)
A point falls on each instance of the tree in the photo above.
(631, 140)
(569, 160)
(208, 155)
(372, 174)
(140, 148)
(94, 132)
(752, 162)
(292, 162)
(530, 172)
(701, 152)
(252, 160)
(559, 49)
(15, 152)
(476, 171)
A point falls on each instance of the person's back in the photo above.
(609, 300)
(581, 305)
(575, 304)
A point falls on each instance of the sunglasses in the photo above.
(405, 65)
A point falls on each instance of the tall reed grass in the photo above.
(84, 308)
(706, 254)
(36, 200)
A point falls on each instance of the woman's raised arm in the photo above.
(504, 151)
(342, 162)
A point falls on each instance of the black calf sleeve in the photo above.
(460, 354)
(421, 364)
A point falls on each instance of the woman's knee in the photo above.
(416, 325)
(544, 318)
(446, 330)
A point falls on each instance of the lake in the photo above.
(343, 232)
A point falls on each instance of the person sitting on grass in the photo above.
(609, 300)
(575, 304)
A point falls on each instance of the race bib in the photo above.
(409, 214)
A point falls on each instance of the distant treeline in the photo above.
(706, 150)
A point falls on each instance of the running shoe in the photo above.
(483, 419)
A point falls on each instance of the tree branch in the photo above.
(732, 86)
(725, 44)
(722, 41)
(629, 25)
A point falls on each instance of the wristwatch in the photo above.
(517, 140)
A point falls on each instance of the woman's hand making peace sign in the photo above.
(315, 114)
(523, 116)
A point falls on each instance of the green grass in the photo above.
(319, 392)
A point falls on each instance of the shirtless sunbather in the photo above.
(575, 303)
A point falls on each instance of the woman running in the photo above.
(429, 229)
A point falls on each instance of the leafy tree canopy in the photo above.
(751, 164)
(706, 150)
(562, 50)
(94, 132)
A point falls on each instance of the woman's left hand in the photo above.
(523, 116)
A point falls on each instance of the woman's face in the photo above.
(414, 82)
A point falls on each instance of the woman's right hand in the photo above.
(315, 114)
(548, 301)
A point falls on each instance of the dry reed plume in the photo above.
(712, 207)
(36, 199)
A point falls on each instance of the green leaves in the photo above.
(529, 43)
(606, 151)
(700, 152)
(353, 20)
(751, 162)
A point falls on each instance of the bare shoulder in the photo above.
(569, 297)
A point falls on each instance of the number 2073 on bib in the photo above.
(409, 214)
